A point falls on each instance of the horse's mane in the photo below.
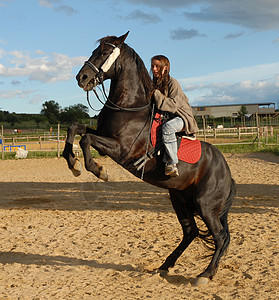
(130, 52)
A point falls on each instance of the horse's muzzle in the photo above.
(85, 82)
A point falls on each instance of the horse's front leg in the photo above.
(73, 164)
(105, 146)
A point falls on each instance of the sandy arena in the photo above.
(79, 238)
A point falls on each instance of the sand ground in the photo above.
(79, 238)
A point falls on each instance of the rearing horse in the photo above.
(205, 188)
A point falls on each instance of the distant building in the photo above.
(231, 110)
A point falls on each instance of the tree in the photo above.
(39, 119)
(243, 111)
(2, 116)
(73, 113)
(51, 110)
(13, 118)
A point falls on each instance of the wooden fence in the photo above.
(46, 142)
(237, 133)
(54, 142)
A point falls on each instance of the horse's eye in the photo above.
(105, 53)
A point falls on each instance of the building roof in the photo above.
(239, 104)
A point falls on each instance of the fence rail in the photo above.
(236, 132)
(54, 142)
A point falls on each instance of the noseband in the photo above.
(105, 66)
(98, 79)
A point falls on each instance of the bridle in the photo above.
(99, 80)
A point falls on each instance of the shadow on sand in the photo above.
(250, 198)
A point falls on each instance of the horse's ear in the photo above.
(120, 40)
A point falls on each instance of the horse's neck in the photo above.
(130, 128)
(127, 90)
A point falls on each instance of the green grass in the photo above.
(248, 148)
(44, 154)
(236, 148)
(272, 149)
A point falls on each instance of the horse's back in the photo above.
(214, 179)
(211, 169)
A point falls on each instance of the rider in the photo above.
(175, 108)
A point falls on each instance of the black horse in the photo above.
(205, 188)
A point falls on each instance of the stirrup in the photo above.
(171, 170)
(191, 137)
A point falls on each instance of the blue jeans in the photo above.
(169, 138)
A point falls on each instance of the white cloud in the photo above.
(233, 35)
(46, 3)
(44, 68)
(183, 34)
(161, 3)
(11, 94)
(56, 6)
(3, 42)
(146, 18)
(3, 2)
(255, 14)
(2, 53)
(253, 84)
(36, 99)
(253, 73)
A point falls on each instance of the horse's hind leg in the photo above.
(185, 215)
(216, 222)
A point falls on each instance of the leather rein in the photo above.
(98, 79)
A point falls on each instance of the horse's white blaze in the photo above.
(111, 59)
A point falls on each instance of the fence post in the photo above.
(204, 133)
(40, 142)
(2, 136)
(239, 133)
(266, 134)
(258, 129)
(58, 140)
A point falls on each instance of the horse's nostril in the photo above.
(84, 77)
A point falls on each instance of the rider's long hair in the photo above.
(161, 82)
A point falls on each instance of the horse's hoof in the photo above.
(77, 168)
(161, 272)
(201, 281)
(103, 174)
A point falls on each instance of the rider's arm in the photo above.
(175, 98)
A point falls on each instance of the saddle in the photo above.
(189, 151)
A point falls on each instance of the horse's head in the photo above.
(98, 67)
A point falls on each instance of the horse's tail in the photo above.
(224, 217)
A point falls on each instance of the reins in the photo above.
(149, 136)
(134, 109)
(98, 80)
(115, 107)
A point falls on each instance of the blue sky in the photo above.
(221, 51)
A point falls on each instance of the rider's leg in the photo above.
(169, 139)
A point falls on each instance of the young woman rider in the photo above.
(175, 108)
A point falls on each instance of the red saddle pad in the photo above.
(189, 151)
